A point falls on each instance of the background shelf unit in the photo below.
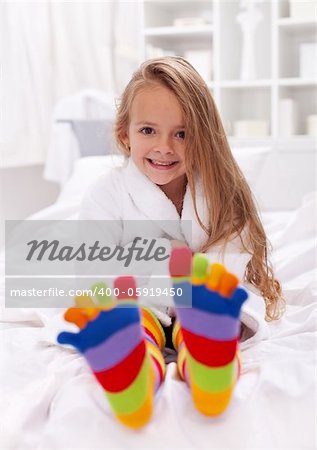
(218, 38)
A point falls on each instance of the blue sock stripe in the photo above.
(210, 301)
(102, 357)
(108, 322)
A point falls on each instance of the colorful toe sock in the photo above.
(120, 354)
(155, 342)
(206, 333)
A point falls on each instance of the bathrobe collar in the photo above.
(155, 205)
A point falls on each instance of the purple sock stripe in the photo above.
(117, 347)
(212, 326)
(148, 338)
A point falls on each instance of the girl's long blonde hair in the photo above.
(232, 211)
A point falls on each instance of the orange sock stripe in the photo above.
(151, 323)
(177, 336)
(157, 355)
(211, 403)
(151, 331)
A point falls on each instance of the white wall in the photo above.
(23, 192)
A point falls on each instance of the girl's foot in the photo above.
(207, 331)
(112, 340)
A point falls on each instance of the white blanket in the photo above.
(50, 400)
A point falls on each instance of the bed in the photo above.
(50, 400)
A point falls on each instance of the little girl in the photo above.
(179, 168)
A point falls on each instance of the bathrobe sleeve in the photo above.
(103, 201)
(234, 257)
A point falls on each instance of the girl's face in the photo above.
(156, 136)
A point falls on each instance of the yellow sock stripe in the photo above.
(211, 403)
(147, 325)
(86, 303)
(198, 281)
(156, 353)
(152, 323)
(180, 361)
(177, 337)
(140, 417)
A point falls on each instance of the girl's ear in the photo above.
(125, 138)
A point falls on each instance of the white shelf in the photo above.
(241, 84)
(277, 42)
(206, 30)
(296, 82)
(288, 23)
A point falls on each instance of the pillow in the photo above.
(86, 171)
(251, 161)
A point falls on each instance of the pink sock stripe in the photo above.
(117, 347)
(186, 376)
(210, 325)
(158, 380)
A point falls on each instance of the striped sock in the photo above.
(206, 334)
(119, 347)
(155, 341)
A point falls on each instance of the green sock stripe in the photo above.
(132, 398)
(211, 379)
(177, 280)
(101, 294)
(200, 266)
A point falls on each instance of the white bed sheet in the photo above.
(50, 400)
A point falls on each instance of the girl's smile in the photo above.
(162, 165)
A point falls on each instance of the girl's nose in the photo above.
(164, 145)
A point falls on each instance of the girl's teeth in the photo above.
(162, 164)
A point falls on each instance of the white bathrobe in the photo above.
(125, 193)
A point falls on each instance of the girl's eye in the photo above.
(147, 130)
(181, 134)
